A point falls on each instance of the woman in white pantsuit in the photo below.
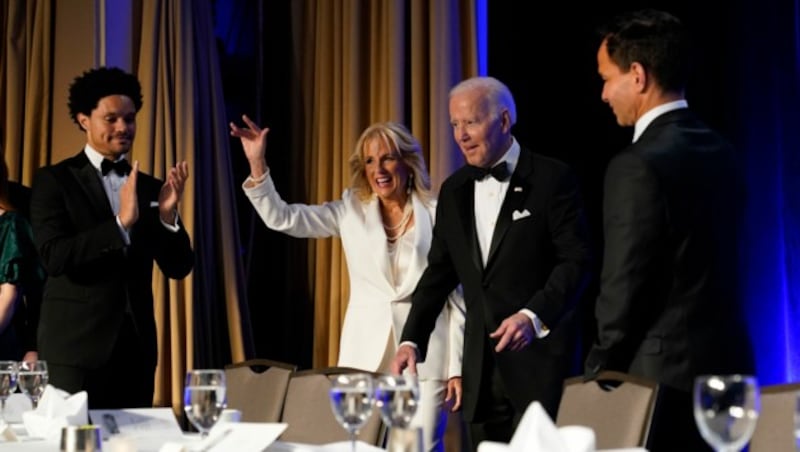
(385, 222)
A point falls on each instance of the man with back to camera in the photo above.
(668, 307)
(98, 225)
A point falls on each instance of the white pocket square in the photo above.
(516, 215)
(153, 203)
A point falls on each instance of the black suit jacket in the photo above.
(539, 259)
(669, 306)
(92, 274)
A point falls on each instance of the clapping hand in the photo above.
(171, 192)
(128, 200)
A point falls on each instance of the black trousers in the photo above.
(127, 380)
(495, 416)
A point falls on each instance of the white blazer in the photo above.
(376, 308)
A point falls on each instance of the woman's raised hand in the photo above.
(254, 142)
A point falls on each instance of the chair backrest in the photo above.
(257, 387)
(775, 428)
(307, 410)
(617, 406)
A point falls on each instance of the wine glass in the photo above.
(397, 398)
(8, 384)
(204, 398)
(32, 379)
(797, 422)
(351, 401)
(726, 409)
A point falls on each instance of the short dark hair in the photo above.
(655, 39)
(87, 89)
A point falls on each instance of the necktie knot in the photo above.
(499, 172)
(121, 167)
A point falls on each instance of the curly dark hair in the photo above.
(655, 39)
(87, 90)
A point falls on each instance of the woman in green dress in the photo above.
(21, 277)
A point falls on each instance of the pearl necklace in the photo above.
(400, 227)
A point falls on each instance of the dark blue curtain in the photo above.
(747, 86)
(768, 105)
(254, 40)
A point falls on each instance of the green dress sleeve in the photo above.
(11, 255)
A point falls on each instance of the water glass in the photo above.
(797, 422)
(397, 397)
(726, 409)
(32, 379)
(351, 401)
(8, 383)
(204, 398)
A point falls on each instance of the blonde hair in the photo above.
(397, 138)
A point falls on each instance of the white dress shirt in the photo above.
(112, 184)
(654, 113)
(489, 196)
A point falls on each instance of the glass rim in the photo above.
(205, 371)
(726, 377)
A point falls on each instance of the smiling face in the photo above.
(619, 88)
(111, 126)
(482, 138)
(385, 170)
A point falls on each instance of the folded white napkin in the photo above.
(16, 404)
(536, 431)
(56, 409)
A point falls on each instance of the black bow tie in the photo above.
(499, 172)
(121, 166)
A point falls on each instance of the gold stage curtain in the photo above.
(183, 118)
(26, 29)
(359, 62)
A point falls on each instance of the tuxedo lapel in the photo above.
(518, 189)
(91, 185)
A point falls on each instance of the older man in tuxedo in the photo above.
(510, 227)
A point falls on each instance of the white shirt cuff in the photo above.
(539, 328)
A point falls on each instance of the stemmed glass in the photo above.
(8, 384)
(204, 398)
(32, 379)
(397, 397)
(351, 401)
(726, 410)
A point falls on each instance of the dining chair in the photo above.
(308, 414)
(775, 427)
(617, 406)
(257, 387)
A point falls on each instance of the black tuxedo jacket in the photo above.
(93, 277)
(669, 305)
(539, 259)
